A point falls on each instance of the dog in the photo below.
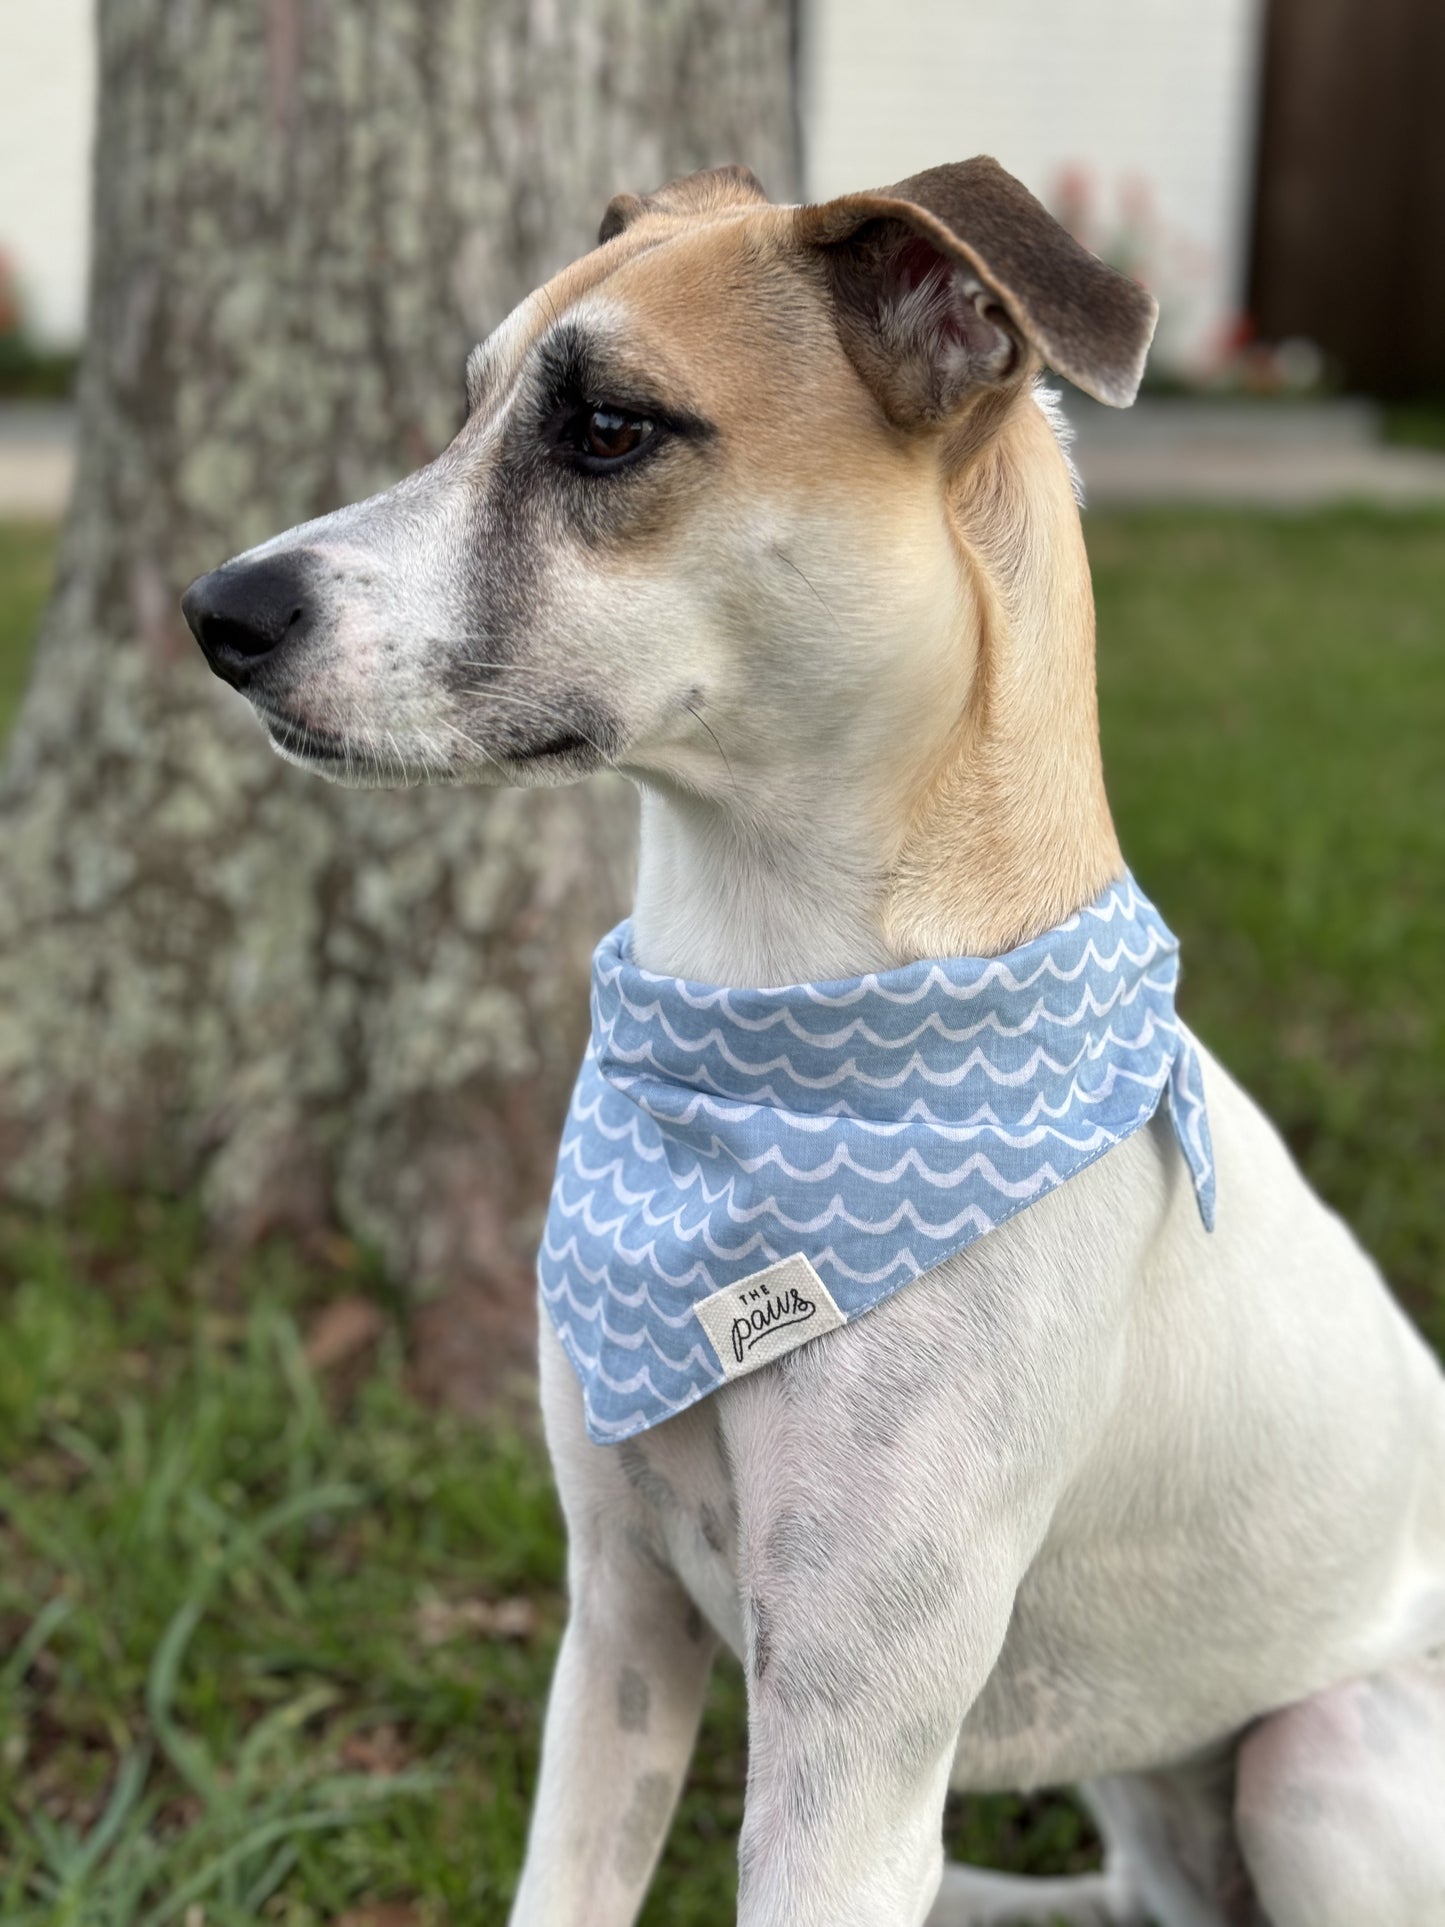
(764, 506)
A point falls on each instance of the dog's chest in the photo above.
(868, 1492)
(852, 1518)
(1086, 1680)
(1053, 1701)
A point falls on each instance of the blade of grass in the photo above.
(52, 1615)
(283, 1828)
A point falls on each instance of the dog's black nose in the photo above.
(241, 613)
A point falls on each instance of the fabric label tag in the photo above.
(757, 1320)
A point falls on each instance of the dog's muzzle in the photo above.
(245, 613)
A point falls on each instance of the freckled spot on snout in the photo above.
(640, 1832)
(634, 1701)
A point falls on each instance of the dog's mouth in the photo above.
(342, 759)
(303, 743)
(564, 743)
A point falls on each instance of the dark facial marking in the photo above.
(576, 374)
(546, 482)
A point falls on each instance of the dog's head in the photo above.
(697, 514)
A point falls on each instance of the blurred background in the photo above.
(281, 1069)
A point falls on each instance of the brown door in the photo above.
(1349, 239)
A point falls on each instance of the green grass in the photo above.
(248, 1615)
(28, 373)
(1273, 695)
(278, 1647)
(274, 1641)
(1416, 424)
(27, 554)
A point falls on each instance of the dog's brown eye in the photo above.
(608, 435)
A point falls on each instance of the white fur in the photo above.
(1163, 1482)
(1089, 1502)
(1182, 1480)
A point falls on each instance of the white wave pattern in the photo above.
(877, 1126)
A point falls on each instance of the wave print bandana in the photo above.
(742, 1170)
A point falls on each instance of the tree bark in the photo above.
(320, 1006)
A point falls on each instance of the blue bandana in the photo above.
(744, 1169)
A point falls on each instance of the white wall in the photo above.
(47, 88)
(1158, 92)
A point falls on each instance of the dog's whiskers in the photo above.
(693, 710)
(471, 742)
(513, 668)
(399, 758)
(550, 710)
(788, 561)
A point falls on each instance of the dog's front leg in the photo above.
(878, 1582)
(854, 1713)
(626, 1694)
(621, 1721)
(858, 1684)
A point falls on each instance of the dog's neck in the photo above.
(854, 863)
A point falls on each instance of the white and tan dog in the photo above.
(761, 505)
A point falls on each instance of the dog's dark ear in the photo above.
(957, 279)
(706, 192)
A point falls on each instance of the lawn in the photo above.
(27, 552)
(274, 1638)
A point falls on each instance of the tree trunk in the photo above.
(320, 1006)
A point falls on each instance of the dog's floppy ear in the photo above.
(956, 278)
(706, 192)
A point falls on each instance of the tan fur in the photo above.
(950, 541)
(710, 191)
(1014, 830)
(1010, 829)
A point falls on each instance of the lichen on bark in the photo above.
(214, 971)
